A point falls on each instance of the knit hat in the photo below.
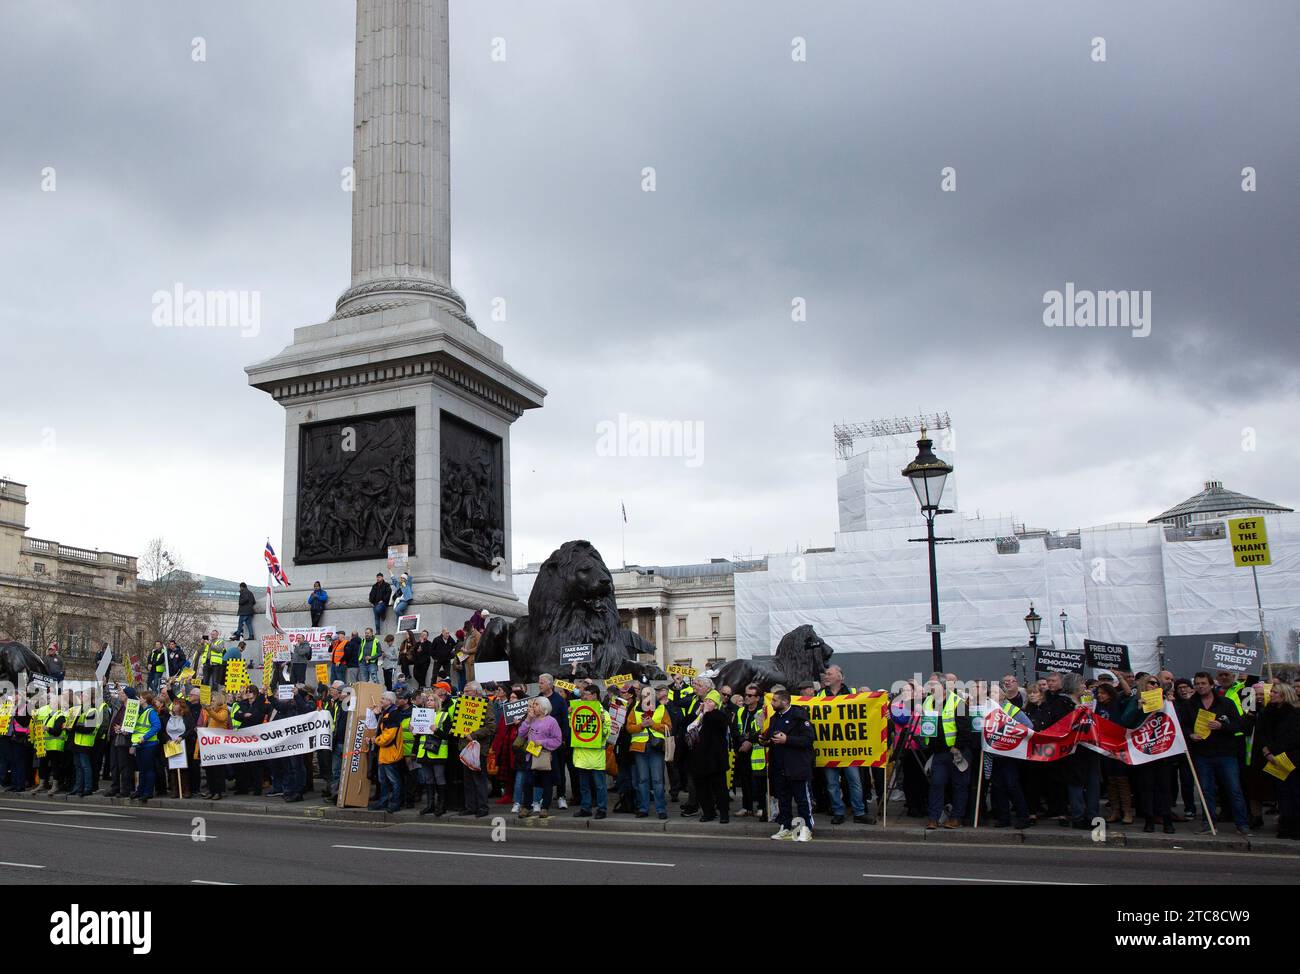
(130, 693)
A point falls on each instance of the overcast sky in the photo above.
(776, 179)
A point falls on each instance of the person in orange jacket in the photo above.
(389, 740)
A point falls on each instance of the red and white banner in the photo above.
(1158, 736)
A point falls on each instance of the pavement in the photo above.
(240, 840)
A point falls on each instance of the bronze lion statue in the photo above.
(15, 659)
(801, 656)
(572, 602)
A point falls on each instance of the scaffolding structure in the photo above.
(846, 434)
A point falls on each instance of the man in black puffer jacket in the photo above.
(789, 739)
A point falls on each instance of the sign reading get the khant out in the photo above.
(1249, 541)
(851, 730)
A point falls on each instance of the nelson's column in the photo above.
(397, 409)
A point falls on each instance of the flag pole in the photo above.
(1204, 807)
(979, 785)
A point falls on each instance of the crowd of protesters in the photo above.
(713, 751)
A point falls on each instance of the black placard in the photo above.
(1106, 656)
(1053, 659)
(1233, 658)
(579, 653)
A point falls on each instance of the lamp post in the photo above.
(928, 474)
(715, 644)
(1034, 623)
(1064, 617)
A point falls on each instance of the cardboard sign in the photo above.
(1249, 541)
(689, 672)
(1054, 659)
(620, 681)
(408, 623)
(277, 647)
(1106, 656)
(1232, 657)
(1204, 718)
(580, 653)
(284, 691)
(516, 711)
(566, 685)
(173, 748)
(1153, 700)
(422, 720)
(469, 715)
(354, 785)
(851, 730)
(130, 715)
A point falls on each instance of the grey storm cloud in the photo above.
(776, 180)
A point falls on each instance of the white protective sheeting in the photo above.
(869, 601)
(1124, 582)
(1206, 592)
(752, 629)
(872, 491)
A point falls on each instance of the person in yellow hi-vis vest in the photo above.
(751, 756)
(648, 725)
(84, 723)
(588, 733)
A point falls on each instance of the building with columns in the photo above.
(54, 592)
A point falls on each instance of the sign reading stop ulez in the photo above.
(1249, 541)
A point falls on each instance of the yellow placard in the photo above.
(622, 680)
(851, 730)
(186, 674)
(38, 737)
(268, 668)
(566, 685)
(689, 672)
(236, 676)
(1204, 718)
(1249, 541)
(533, 748)
(322, 673)
(6, 711)
(205, 695)
(173, 748)
(469, 715)
(1279, 766)
(1153, 700)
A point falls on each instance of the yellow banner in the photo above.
(622, 680)
(689, 672)
(1249, 541)
(566, 685)
(851, 730)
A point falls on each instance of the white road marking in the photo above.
(966, 879)
(98, 828)
(73, 811)
(498, 855)
(21, 865)
(210, 882)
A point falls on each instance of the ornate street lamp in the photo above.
(928, 475)
(1064, 617)
(1034, 623)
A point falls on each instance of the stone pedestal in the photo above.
(355, 379)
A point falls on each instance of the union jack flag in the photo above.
(273, 565)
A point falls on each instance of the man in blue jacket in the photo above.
(789, 739)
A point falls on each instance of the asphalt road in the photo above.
(133, 844)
